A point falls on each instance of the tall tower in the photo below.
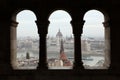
(63, 57)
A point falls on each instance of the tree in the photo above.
(27, 55)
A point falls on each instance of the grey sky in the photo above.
(93, 26)
(27, 25)
(60, 20)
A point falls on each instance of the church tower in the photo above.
(63, 56)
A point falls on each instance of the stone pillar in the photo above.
(107, 45)
(5, 48)
(77, 31)
(42, 31)
(13, 44)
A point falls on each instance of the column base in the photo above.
(78, 66)
(42, 66)
(5, 68)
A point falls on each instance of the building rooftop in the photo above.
(59, 34)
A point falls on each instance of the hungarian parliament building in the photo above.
(60, 52)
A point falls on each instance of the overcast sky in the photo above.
(60, 20)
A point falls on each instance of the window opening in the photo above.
(60, 41)
(93, 40)
(27, 41)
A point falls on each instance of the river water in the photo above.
(89, 60)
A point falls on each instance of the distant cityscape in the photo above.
(60, 52)
(27, 46)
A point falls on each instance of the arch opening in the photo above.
(60, 41)
(93, 41)
(25, 41)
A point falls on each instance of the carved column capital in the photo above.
(106, 24)
(42, 26)
(14, 24)
(77, 27)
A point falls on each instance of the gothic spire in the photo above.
(63, 57)
(61, 47)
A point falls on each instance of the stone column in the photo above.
(42, 31)
(13, 44)
(77, 31)
(107, 45)
(5, 62)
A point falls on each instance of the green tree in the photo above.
(27, 55)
